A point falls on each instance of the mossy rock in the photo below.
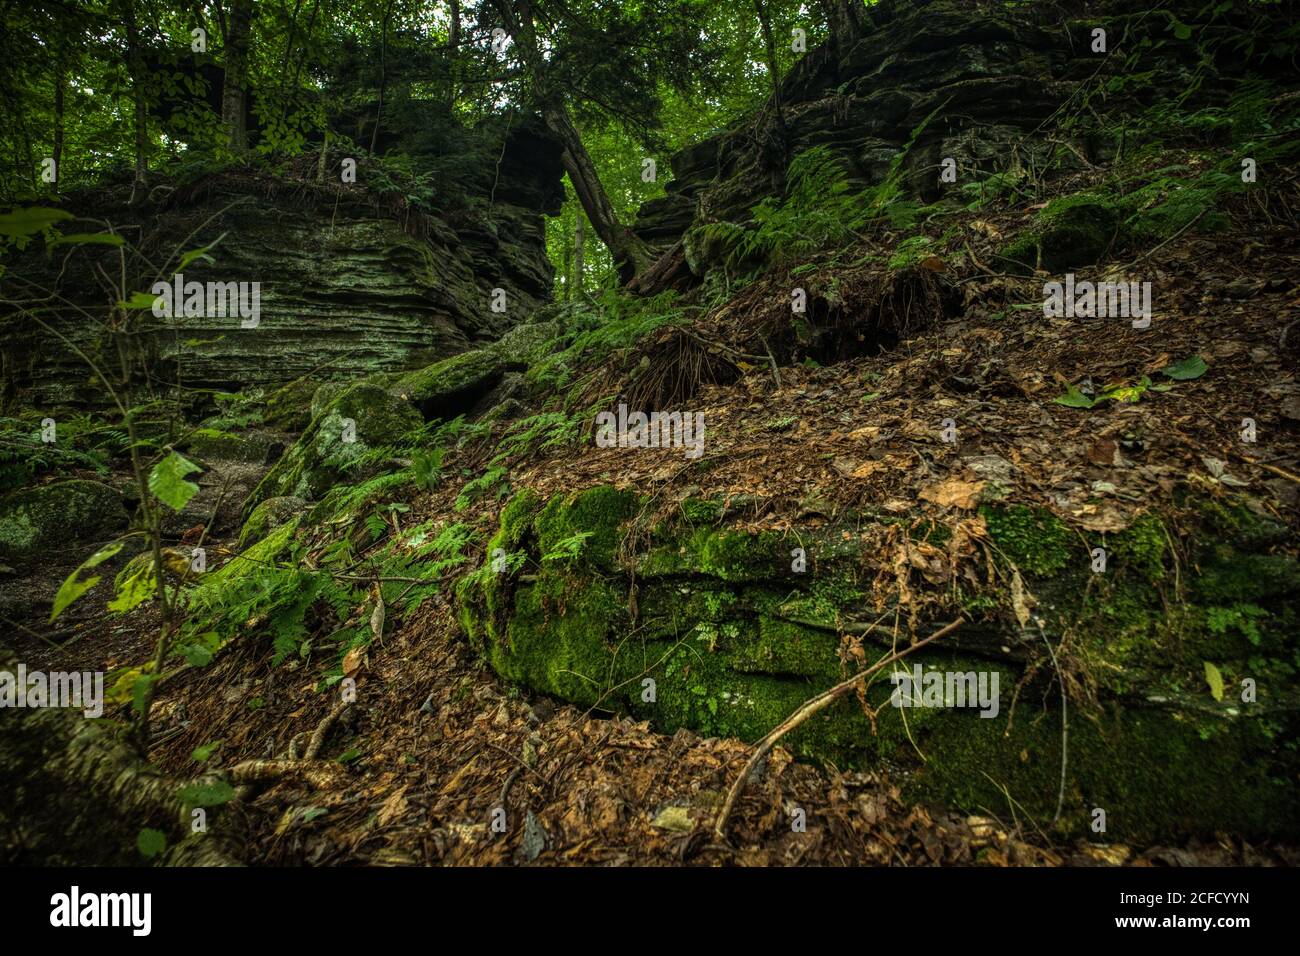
(58, 517)
(716, 631)
(1066, 234)
(453, 386)
(213, 443)
(259, 555)
(288, 408)
(527, 344)
(321, 457)
(268, 515)
(321, 398)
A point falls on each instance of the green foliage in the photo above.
(493, 477)
(167, 481)
(819, 210)
(150, 843)
(568, 549)
(81, 444)
(426, 467)
(615, 324)
(74, 586)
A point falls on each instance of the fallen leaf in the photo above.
(954, 493)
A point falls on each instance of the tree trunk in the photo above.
(383, 77)
(75, 795)
(628, 252)
(135, 64)
(453, 41)
(60, 86)
(234, 86)
(579, 236)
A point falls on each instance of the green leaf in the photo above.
(1073, 398)
(150, 843)
(206, 794)
(74, 586)
(201, 754)
(1215, 680)
(193, 254)
(196, 655)
(139, 300)
(1123, 393)
(139, 688)
(167, 481)
(89, 239)
(1191, 367)
(136, 589)
(30, 220)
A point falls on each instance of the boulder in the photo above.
(323, 454)
(58, 517)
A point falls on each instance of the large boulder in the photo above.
(729, 639)
(363, 418)
(59, 517)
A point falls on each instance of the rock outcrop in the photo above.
(351, 280)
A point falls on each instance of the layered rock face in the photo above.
(349, 282)
(928, 81)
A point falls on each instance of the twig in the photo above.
(1065, 723)
(322, 729)
(817, 704)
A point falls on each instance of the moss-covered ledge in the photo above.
(584, 598)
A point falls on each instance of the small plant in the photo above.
(427, 468)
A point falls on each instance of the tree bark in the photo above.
(629, 253)
(60, 86)
(135, 65)
(76, 795)
(234, 85)
(383, 77)
(579, 264)
(453, 42)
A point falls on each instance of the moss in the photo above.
(555, 640)
(1231, 577)
(265, 552)
(1142, 547)
(54, 517)
(1033, 539)
(289, 407)
(783, 647)
(1067, 233)
(320, 457)
(702, 511)
(206, 443)
(1234, 522)
(734, 642)
(268, 515)
(740, 556)
(599, 512)
(437, 387)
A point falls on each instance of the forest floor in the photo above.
(437, 741)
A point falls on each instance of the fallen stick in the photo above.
(320, 774)
(818, 703)
(317, 741)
